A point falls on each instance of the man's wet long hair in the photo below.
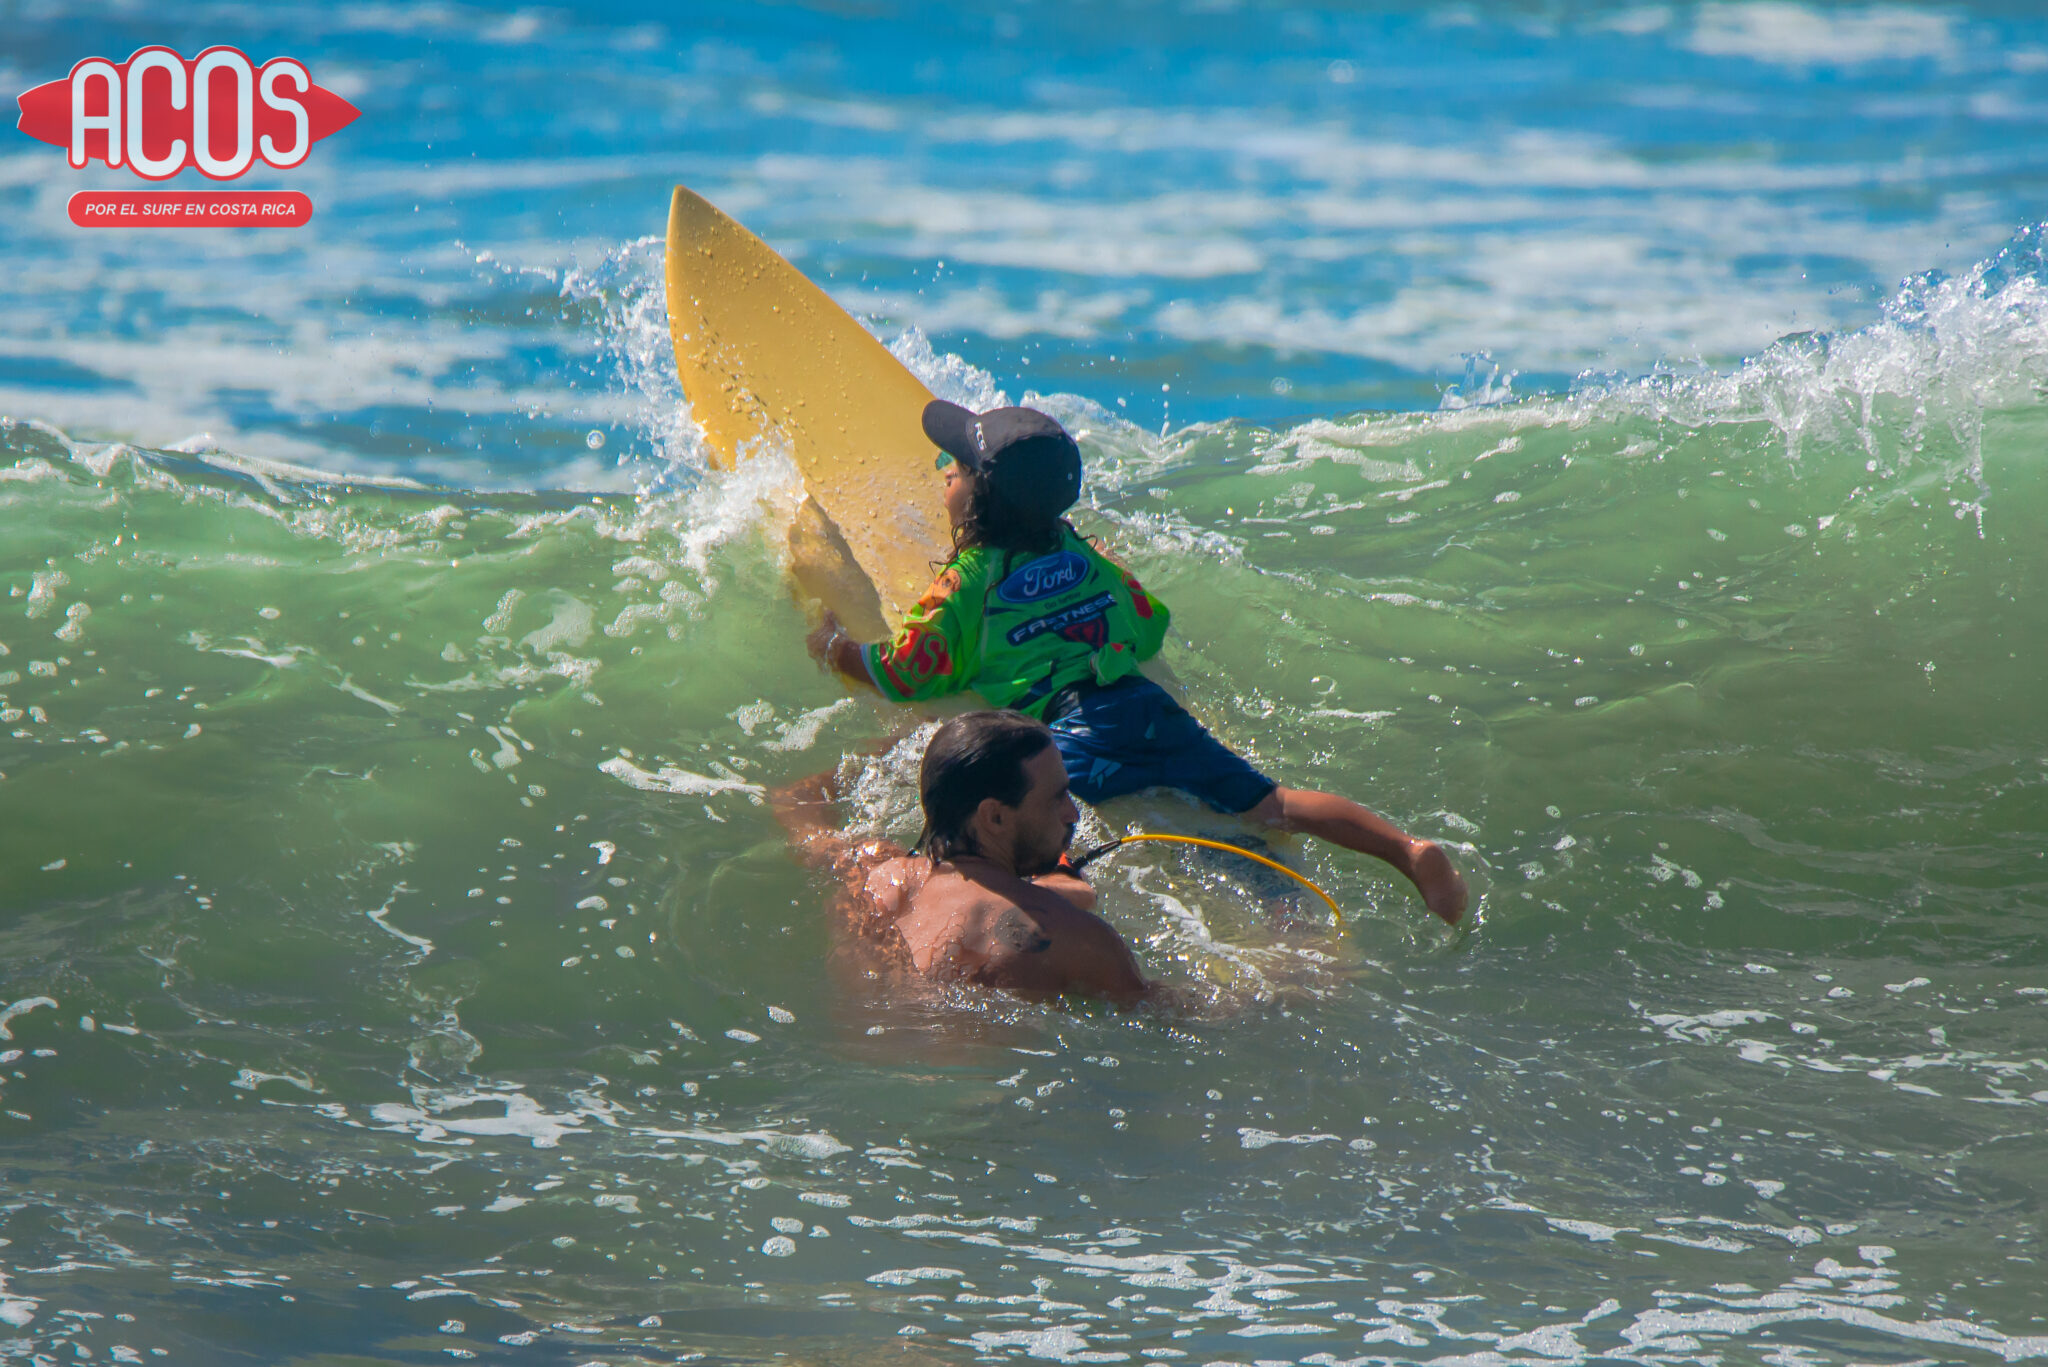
(973, 756)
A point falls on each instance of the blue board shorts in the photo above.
(1131, 734)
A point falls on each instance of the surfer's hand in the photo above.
(831, 647)
(819, 642)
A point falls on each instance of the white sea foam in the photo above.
(1249, 1138)
(801, 731)
(21, 1008)
(907, 1276)
(1804, 35)
(16, 1310)
(522, 1118)
(570, 625)
(809, 1147)
(682, 782)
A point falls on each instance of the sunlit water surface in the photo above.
(399, 962)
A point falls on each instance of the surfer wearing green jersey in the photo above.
(1033, 617)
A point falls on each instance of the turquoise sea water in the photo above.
(1605, 438)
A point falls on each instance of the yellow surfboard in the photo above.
(764, 353)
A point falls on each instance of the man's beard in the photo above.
(1045, 861)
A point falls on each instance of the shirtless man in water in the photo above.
(983, 899)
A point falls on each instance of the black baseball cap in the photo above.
(1024, 458)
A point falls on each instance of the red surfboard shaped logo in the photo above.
(158, 113)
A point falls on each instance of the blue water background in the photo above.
(1184, 213)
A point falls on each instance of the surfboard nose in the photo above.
(770, 362)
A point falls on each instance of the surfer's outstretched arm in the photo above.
(937, 651)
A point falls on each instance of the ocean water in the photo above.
(1606, 438)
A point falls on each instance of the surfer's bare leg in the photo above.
(1343, 822)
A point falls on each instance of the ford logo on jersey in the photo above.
(1043, 577)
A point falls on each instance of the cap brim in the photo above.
(951, 428)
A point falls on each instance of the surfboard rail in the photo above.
(765, 355)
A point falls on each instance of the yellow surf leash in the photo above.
(1082, 861)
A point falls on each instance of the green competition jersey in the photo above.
(1016, 628)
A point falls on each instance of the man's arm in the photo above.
(806, 810)
(875, 879)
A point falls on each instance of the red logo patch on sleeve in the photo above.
(918, 658)
(1141, 602)
(929, 657)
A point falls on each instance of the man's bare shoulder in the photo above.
(894, 879)
(881, 881)
(1002, 931)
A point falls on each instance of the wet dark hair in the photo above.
(994, 522)
(973, 756)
